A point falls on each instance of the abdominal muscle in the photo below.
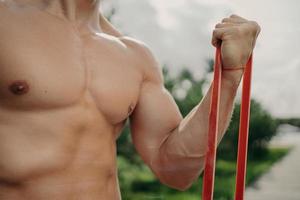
(62, 154)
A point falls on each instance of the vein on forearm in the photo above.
(189, 139)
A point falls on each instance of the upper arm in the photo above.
(156, 113)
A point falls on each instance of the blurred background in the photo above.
(179, 34)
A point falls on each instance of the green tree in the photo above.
(291, 121)
(262, 128)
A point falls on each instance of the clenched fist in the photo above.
(237, 37)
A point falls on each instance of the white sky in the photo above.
(179, 33)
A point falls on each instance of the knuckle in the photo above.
(218, 25)
(259, 29)
(225, 20)
(253, 23)
(255, 26)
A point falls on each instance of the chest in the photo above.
(58, 68)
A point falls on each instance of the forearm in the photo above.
(190, 137)
(186, 145)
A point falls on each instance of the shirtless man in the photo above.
(68, 83)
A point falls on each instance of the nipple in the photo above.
(19, 87)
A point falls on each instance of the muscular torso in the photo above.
(65, 94)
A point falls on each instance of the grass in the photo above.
(138, 183)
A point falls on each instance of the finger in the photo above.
(233, 20)
(217, 36)
(237, 17)
(225, 24)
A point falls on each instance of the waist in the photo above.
(88, 182)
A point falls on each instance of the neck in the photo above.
(79, 10)
(83, 12)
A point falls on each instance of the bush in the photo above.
(262, 128)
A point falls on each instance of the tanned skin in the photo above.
(69, 81)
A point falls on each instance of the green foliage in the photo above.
(125, 147)
(193, 94)
(262, 128)
(140, 183)
(291, 121)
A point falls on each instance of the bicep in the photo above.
(153, 119)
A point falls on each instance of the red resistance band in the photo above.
(209, 171)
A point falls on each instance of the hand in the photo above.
(237, 37)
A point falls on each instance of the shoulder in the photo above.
(138, 52)
(145, 59)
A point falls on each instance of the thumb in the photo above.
(217, 36)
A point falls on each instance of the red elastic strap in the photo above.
(209, 171)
